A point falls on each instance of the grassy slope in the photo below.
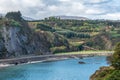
(92, 28)
(107, 73)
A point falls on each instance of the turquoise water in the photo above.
(57, 70)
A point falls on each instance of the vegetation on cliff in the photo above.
(54, 35)
(116, 57)
(18, 39)
(95, 34)
(112, 72)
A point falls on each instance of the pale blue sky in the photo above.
(94, 9)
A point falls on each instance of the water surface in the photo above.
(57, 70)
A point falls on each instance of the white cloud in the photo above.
(64, 0)
(44, 8)
(96, 1)
(112, 16)
(53, 8)
(94, 11)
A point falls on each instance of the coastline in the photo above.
(3, 65)
(45, 58)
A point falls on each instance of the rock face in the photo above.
(21, 40)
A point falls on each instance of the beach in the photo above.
(43, 58)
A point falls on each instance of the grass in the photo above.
(76, 43)
(85, 52)
(109, 74)
(94, 33)
(114, 34)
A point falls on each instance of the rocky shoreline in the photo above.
(42, 58)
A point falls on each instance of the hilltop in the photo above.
(17, 39)
(71, 17)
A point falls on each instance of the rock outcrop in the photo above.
(16, 39)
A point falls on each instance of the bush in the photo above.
(71, 34)
(45, 27)
(116, 57)
(115, 75)
(14, 15)
(14, 23)
(58, 49)
(78, 47)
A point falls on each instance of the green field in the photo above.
(114, 33)
(86, 52)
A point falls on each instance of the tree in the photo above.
(116, 57)
(14, 15)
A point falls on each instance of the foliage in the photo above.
(116, 57)
(108, 73)
(15, 23)
(45, 27)
(77, 48)
(92, 32)
(71, 34)
(115, 75)
(14, 15)
(118, 31)
(58, 49)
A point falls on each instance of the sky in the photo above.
(39, 9)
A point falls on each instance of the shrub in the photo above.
(14, 15)
(71, 34)
(45, 27)
(116, 57)
(14, 23)
(58, 49)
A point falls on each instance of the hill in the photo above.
(54, 35)
(17, 38)
(71, 17)
(95, 34)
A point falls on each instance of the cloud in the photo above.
(95, 12)
(96, 1)
(112, 16)
(109, 9)
(64, 0)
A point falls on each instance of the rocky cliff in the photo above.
(16, 39)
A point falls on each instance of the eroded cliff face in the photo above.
(21, 40)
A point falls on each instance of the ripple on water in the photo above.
(57, 70)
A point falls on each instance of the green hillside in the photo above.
(111, 72)
(56, 35)
(95, 34)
